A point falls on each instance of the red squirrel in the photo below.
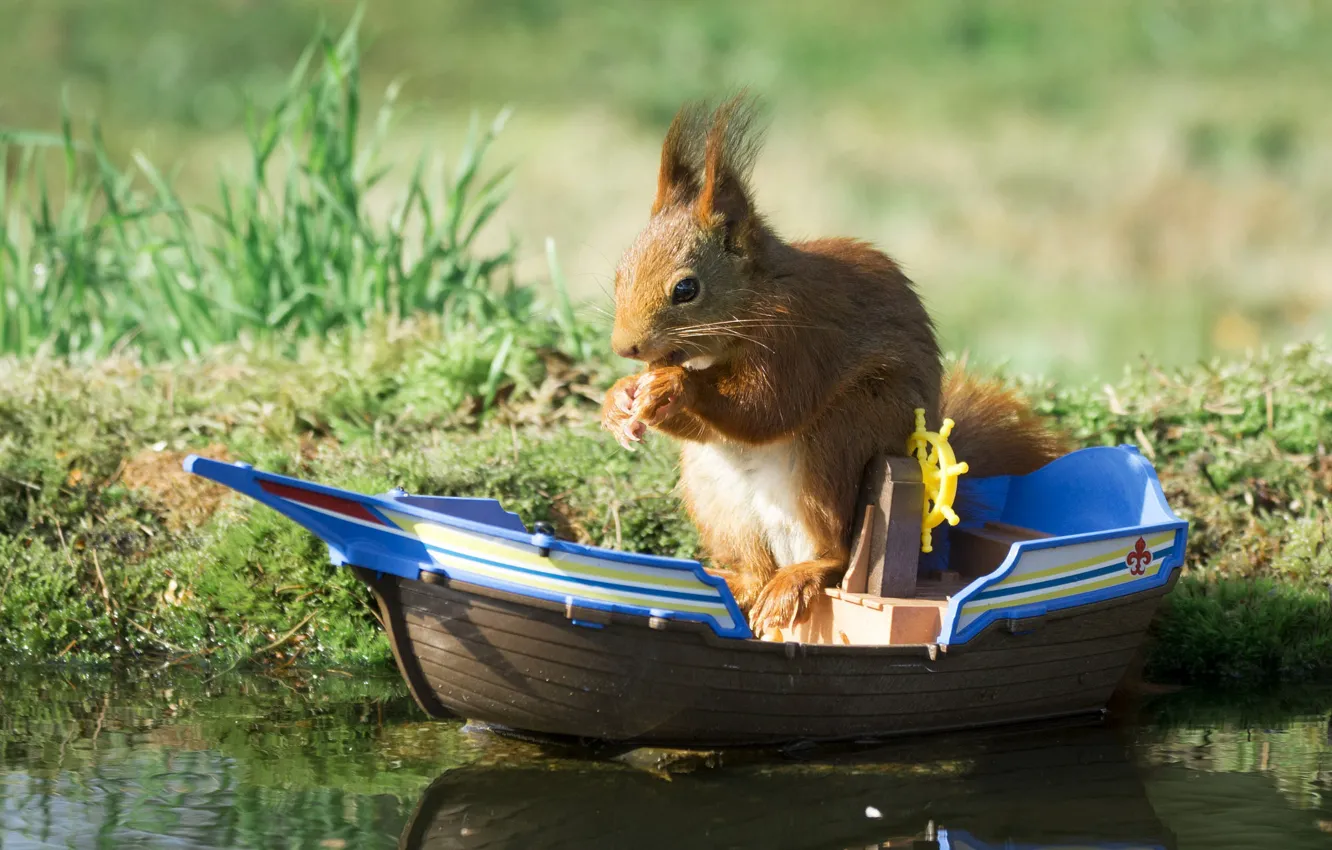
(782, 368)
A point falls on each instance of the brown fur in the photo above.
(996, 431)
(800, 359)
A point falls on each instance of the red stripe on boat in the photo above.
(346, 507)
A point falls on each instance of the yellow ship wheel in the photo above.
(939, 469)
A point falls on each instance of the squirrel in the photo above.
(782, 368)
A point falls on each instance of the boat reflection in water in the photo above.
(1065, 787)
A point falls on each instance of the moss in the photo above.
(112, 552)
(1254, 633)
(1242, 452)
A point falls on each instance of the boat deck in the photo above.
(941, 589)
(860, 619)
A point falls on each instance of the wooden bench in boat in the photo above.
(882, 599)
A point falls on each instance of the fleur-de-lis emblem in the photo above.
(1139, 558)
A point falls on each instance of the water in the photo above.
(336, 760)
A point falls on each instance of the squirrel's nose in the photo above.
(626, 346)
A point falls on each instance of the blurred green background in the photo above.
(1071, 185)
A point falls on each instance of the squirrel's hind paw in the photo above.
(744, 588)
(786, 599)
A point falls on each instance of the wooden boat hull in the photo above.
(512, 661)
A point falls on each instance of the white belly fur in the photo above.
(756, 486)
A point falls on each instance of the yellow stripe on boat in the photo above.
(1067, 590)
(572, 587)
(1152, 542)
(565, 566)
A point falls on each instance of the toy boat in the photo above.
(1032, 608)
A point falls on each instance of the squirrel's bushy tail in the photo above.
(996, 431)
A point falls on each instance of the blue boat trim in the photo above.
(391, 549)
(434, 566)
(951, 635)
(1000, 592)
(960, 839)
(1087, 496)
(623, 588)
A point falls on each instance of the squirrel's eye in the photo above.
(685, 290)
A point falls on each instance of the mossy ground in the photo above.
(108, 553)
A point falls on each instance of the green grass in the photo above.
(98, 257)
(1229, 632)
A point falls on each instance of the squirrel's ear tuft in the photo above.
(732, 145)
(681, 158)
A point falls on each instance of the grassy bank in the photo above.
(316, 321)
(111, 553)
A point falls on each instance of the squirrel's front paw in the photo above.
(659, 395)
(638, 402)
(617, 412)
